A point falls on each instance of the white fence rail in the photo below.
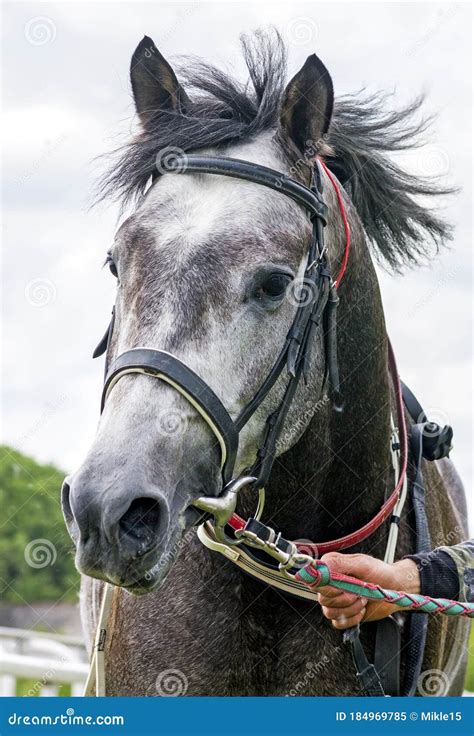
(49, 660)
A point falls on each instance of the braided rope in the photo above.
(316, 574)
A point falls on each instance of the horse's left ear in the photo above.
(307, 106)
(154, 83)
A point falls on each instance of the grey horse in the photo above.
(206, 267)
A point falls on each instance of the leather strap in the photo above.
(365, 671)
(163, 365)
(255, 173)
(387, 654)
(248, 561)
(104, 344)
(296, 350)
(413, 406)
(418, 625)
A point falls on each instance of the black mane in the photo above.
(362, 135)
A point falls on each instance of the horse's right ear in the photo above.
(154, 83)
(307, 107)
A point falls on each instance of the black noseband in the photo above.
(159, 364)
(316, 310)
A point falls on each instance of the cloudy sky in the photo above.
(66, 99)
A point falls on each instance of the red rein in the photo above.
(345, 222)
(318, 548)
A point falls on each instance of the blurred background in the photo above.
(66, 101)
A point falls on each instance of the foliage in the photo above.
(469, 683)
(36, 553)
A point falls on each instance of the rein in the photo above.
(297, 569)
(345, 222)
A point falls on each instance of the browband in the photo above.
(255, 173)
(163, 365)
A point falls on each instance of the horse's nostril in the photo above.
(66, 502)
(141, 523)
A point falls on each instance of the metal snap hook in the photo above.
(295, 560)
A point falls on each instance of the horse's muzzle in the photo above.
(118, 542)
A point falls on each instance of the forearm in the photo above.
(438, 575)
(447, 572)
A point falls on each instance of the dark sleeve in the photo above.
(439, 576)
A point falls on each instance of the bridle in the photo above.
(257, 549)
(225, 531)
(317, 306)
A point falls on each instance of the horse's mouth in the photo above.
(156, 566)
(137, 582)
(156, 576)
(152, 580)
(114, 564)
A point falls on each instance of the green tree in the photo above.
(36, 553)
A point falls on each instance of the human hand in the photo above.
(348, 609)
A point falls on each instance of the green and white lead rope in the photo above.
(317, 574)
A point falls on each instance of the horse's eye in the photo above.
(274, 285)
(109, 261)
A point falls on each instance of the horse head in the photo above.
(210, 269)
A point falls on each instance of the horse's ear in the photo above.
(307, 106)
(154, 83)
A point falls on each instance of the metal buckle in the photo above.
(287, 559)
(270, 546)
